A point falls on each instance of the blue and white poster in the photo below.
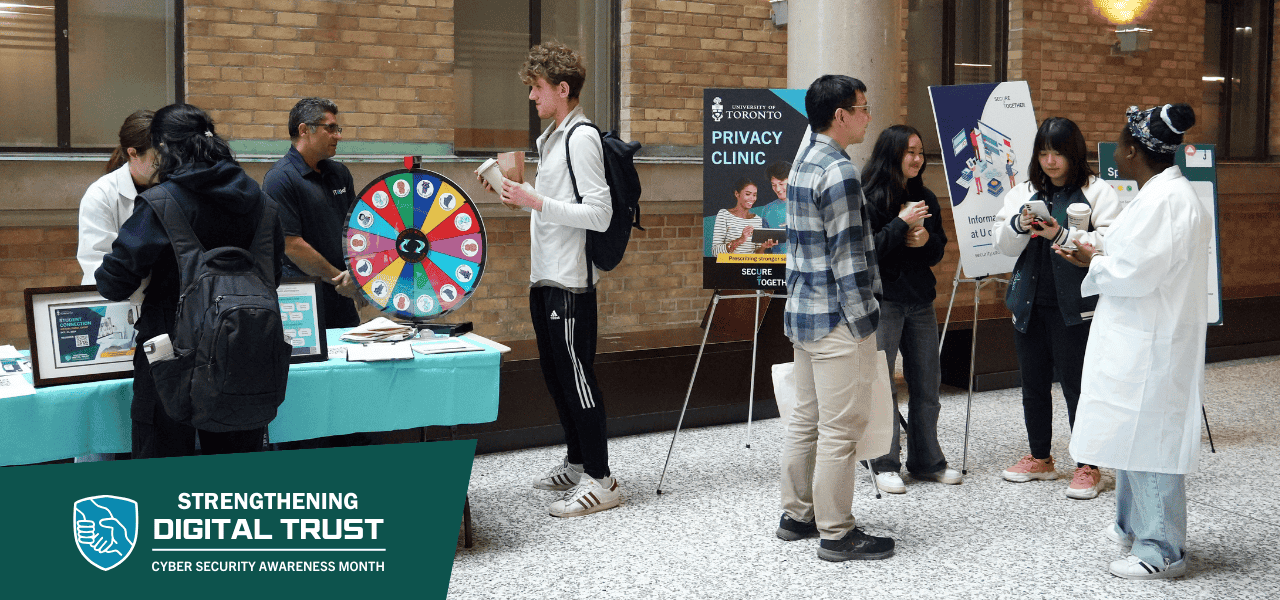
(987, 132)
(749, 138)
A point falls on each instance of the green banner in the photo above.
(306, 523)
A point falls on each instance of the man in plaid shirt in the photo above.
(831, 318)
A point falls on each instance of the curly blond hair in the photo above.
(556, 63)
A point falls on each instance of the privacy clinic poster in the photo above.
(747, 133)
(339, 522)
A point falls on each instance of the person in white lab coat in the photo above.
(1143, 382)
(108, 203)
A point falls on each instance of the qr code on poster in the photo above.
(82, 341)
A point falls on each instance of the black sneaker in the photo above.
(791, 530)
(856, 545)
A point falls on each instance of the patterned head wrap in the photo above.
(1140, 128)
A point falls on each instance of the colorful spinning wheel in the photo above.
(415, 244)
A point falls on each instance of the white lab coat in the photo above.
(1143, 377)
(105, 206)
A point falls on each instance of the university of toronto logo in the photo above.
(106, 529)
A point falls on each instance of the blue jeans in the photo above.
(1151, 508)
(913, 328)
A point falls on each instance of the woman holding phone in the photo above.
(910, 240)
(1050, 317)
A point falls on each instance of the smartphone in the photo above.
(1038, 209)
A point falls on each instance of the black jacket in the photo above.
(905, 272)
(223, 205)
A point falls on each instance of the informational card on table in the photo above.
(300, 310)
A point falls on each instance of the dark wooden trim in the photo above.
(62, 71)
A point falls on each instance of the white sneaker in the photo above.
(890, 483)
(1132, 567)
(561, 478)
(1115, 534)
(948, 476)
(587, 497)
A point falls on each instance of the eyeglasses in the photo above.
(330, 127)
(864, 107)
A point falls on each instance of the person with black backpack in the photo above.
(204, 200)
(570, 199)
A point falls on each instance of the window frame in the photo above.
(62, 79)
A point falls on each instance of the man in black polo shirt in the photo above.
(314, 193)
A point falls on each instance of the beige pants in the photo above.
(834, 378)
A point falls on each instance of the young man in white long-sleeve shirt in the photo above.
(562, 301)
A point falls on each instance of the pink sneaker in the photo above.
(1031, 468)
(1086, 483)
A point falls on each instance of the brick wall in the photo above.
(1063, 51)
(32, 257)
(657, 286)
(388, 64)
(671, 50)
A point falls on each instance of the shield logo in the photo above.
(105, 529)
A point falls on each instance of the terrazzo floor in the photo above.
(711, 533)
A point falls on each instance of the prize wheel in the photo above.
(415, 244)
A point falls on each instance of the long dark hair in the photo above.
(1063, 136)
(184, 136)
(135, 133)
(884, 183)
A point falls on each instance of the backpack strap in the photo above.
(186, 245)
(568, 159)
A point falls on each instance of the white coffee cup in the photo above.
(1077, 223)
(492, 174)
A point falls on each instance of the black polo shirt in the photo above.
(314, 206)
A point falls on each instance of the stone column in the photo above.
(858, 38)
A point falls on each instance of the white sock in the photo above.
(577, 467)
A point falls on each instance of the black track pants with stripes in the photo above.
(565, 324)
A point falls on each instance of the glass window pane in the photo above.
(585, 26)
(28, 81)
(1247, 76)
(1209, 113)
(924, 67)
(491, 104)
(979, 41)
(121, 57)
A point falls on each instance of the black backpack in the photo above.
(605, 248)
(231, 360)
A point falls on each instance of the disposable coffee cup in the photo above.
(492, 174)
(1077, 223)
(1078, 215)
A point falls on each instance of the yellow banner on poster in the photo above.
(778, 259)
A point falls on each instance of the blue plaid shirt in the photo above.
(832, 275)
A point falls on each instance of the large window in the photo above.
(493, 37)
(72, 70)
(952, 42)
(1237, 59)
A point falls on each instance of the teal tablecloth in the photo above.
(325, 398)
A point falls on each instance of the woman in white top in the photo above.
(109, 201)
(734, 225)
(1140, 397)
